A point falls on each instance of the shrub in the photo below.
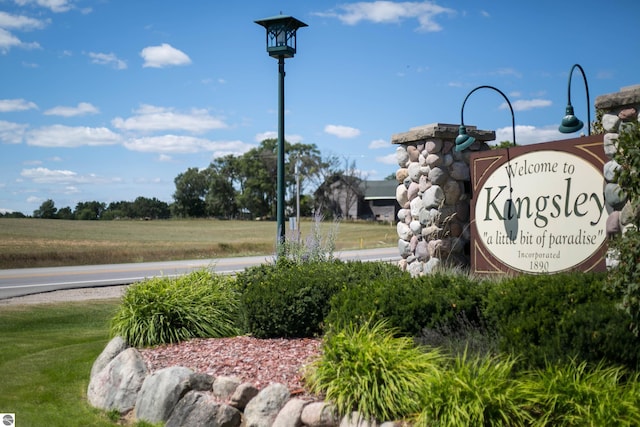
(169, 310)
(476, 391)
(624, 279)
(290, 299)
(576, 394)
(409, 304)
(553, 318)
(366, 369)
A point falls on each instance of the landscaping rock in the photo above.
(291, 414)
(201, 382)
(196, 409)
(261, 411)
(116, 386)
(320, 414)
(116, 346)
(242, 395)
(224, 387)
(160, 392)
(357, 420)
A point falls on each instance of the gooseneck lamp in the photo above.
(570, 123)
(281, 44)
(464, 140)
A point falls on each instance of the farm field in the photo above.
(29, 242)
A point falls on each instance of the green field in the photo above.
(28, 242)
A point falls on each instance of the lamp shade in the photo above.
(570, 123)
(463, 140)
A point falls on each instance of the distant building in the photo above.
(353, 198)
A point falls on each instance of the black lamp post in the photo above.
(281, 44)
(464, 140)
(570, 123)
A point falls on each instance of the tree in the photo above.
(221, 195)
(191, 189)
(89, 210)
(47, 210)
(65, 213)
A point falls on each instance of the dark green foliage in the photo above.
(169, 310)
(409, 305)
(289, 299)
(625, 278)
(554, 318)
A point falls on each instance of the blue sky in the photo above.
(108, 100)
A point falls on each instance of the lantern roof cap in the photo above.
(289, 20)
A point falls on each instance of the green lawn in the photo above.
(46, 354)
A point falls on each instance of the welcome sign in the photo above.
(539, 208)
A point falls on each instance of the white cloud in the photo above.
(527, 104)
(179, 144)
(149, 118)
(66, 136)
(54, 5)
(379, 143)
(81, 109)
(163, 56)
(107, 59)
(9, 105)
(12, 133)
(290, 138)
(48, 176)
(342, 131)
(382, 12)
(526, 134)
(20, 22)
(164, 158)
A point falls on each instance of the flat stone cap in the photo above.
(627, 96)
(439, 130)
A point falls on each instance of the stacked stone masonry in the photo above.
(434, 194)
(617, 111)
(179, 397)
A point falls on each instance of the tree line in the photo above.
(233, 186)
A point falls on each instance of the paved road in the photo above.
(27, 281)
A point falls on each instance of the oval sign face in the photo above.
(542, 212)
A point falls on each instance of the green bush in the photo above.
(576, 394)
(476, 391)
(554, 318)
(169, 310)
(410, 304)
(366, 369)
(290, 299)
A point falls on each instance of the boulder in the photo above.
(291, 414)
(242, 395)
(116, 346)
(610, 144)
(223, 386)
(116, 386)
(357, 420)
(160, 392)
(196, 409)
(200, 381)
(262, 410)
(320, 414)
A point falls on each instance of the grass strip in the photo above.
(46, 354)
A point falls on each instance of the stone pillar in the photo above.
(617, 110)
(434, 193)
